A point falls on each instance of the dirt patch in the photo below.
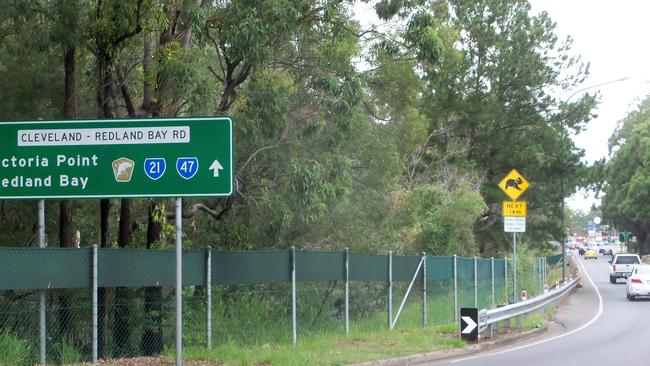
(353, 342)
(155, 361)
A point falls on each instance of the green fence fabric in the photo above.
(229, 268)
(320, 266)
(35, 268)
(484, 270)
(553, 259)
(368, 267)
(465, 270)
(440, 268)
(404, 267)
(141, 267)
(499, 271)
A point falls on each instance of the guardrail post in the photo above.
(492, 275)
(455, 288)
(424, 289)
(475, 283)
(294, 330)
(390, 290)
(347, 292)
(208, 292)
(94, 305)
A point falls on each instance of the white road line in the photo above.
(598, 314)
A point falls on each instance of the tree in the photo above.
(627, 176)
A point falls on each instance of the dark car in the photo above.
(581, 250)
(605, 251)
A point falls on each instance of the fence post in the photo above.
(208, 293)
(492, 275)
(539, 273)
(94, 300)
(455, 288)
(505, 275)
(475, 283)
(424, 289)
(293, 295)
(41, 300)
(390, 289)
(347, 292)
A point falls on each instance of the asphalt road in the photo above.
(598, 327)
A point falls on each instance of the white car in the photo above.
(638, 284)
(621, 265)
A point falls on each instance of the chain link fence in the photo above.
(46, 298)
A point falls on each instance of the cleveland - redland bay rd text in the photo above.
(60, 160)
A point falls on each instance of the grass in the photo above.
(369, 340)
(14, 351)
(335, 350)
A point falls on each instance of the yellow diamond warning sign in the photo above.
(514, 184)
(514, 208)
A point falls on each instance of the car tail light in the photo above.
(635, 280)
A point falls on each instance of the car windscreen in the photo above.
(627, 260)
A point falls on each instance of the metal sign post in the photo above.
(41, 302)
(179, 282)
(514, 266)
(514, 215)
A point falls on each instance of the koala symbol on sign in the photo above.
(514, 183)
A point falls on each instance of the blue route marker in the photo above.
(187, 167)
(155, 168)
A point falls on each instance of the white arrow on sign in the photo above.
(215, 167)
(471, 324)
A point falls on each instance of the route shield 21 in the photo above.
(154, 168)
(187, 167)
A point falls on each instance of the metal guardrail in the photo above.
(489, 318)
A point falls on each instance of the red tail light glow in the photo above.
(635, 280)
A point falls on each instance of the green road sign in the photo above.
(166, 157)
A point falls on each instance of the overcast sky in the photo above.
(613, 37)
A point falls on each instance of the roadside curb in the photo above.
(469, 350)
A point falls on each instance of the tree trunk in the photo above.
(122, 330)
(66, 239)
(152, 339)
(102, 294)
